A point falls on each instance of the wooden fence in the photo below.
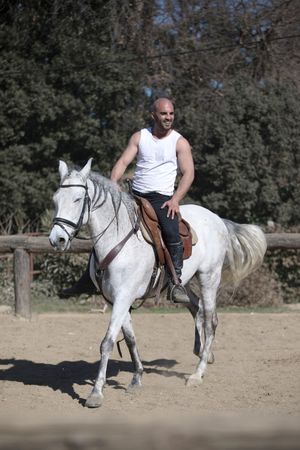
(22, 246)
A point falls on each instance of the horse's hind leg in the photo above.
(196, 309)
(129, 336)
(209, 285)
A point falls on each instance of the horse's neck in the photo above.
(107, 226)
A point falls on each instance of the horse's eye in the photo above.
(77, 200)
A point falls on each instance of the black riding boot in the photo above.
(177, 293)
(83, 286)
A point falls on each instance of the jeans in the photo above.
(169, 227)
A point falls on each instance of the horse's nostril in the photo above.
(61, 240)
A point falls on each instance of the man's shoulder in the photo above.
(146, 131)
(180, 140)
(135, 137)
(176, 132)
(144, 134)
(142, 131)
(182, 143)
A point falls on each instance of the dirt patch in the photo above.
(47, 366)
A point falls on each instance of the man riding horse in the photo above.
(159, 152)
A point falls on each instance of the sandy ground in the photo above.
(47, 364)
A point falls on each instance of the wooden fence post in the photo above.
(22, 283)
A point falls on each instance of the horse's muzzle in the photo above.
(59, 240)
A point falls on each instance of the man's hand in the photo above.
(173, 207)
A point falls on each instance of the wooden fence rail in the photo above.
(23, 245)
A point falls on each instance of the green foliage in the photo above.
(72, 86)
(60, 271)
(247, 152)
(285, 265)
(57, 101)
(6, 281)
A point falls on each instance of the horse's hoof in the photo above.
(194, 380)
(94, 401)
(133, 388)
(211, 358)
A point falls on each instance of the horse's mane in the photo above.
(118, 197)
(108, 188)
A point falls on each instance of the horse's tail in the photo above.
(246, 249)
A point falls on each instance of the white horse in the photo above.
(224, 248)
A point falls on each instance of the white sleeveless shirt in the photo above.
(156, 166)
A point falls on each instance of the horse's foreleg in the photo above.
(119, 312)
(210, 285)
(129, 336)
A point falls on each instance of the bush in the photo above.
(6, 281)
(284, 265)
(59, 271)
(262, 289)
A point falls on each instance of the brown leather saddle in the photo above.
(152, 233)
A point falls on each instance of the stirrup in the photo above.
(178, 297)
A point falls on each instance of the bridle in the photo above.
(60, 221)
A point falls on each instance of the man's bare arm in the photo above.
(186, 166)
(126, 158)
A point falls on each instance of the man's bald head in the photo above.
(161, 103)
(163, 116)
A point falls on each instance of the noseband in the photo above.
(60, 221)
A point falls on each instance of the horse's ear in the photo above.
(63, 170)
(86, 170)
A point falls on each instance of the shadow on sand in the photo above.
(64, 375)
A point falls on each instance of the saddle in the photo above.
(152, 233)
